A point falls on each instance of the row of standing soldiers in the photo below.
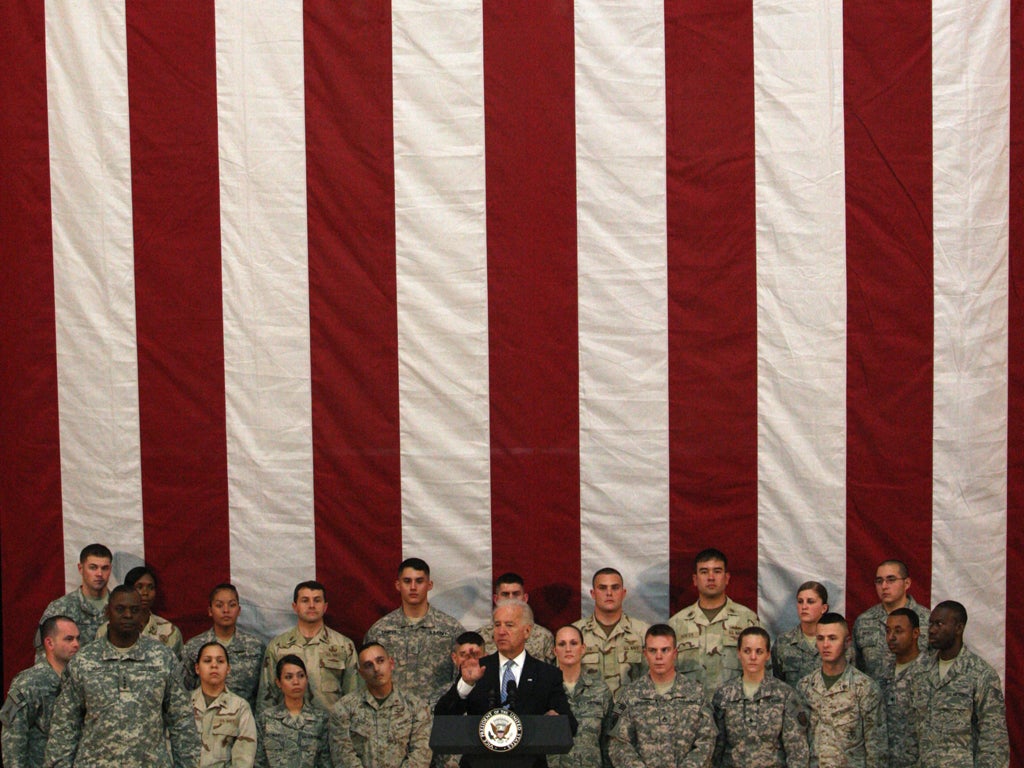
(900, 702)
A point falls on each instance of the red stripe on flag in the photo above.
(172, 98)
(712, 317)
(353, 321)
(890, 317)
(1015, 427)
(31, 546)
(532, 306)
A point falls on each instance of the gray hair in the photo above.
(523, 606)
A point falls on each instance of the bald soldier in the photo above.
(119, 696)
(26, 713)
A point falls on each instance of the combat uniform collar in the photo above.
(426, 621)
(681, 689)
(842, 684)
(107, 651)
(624, 623)
(696, 614)
(296, 637)
(393, 699)
(88, 606)
(225, 702)
(280, 712)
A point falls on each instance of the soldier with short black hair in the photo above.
(959, 708)
(709, 629)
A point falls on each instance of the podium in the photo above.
(541, 735)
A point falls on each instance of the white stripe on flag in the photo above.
(441, 258)
(801, 301)
(261, 127)
(623, 283)
(970, 92)
(94, 280)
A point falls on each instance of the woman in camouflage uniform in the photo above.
(590, 700)
(292, 734)
(761, 721)
(795, 653)
(224, 720)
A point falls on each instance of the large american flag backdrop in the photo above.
(298, 289)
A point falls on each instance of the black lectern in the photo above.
(541, 735)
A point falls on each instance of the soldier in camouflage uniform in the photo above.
(143, 580)
(86, 605)
(246, 650)
(26, 714)
(381, 727)
(902, 631)
(871, 653)
(590, 701)
(663, 719)
(709, 629)
(847, 716)
(614, 640)
(329, 656)
(292, 734)
(223, 719)
(540, 644)
(960, 714)
(795, 653)
(761, 721)
(417, 635)
(118, 698)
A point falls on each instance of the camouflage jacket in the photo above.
(284, 740)
(871, 652)
(898, 695)
(227, 729)
(768, 730)
(330, 660)
(708, 650)
(245, 654)
(847, 721)
(618, 657)
(115, 705)
(421, 650)
(540, 644)
(961, 718)
(670, 730)
(591, 704)
(26, 715)
(369, 733)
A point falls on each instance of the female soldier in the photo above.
(761, 721)
(292, 734)
(224, 720)
(590, 700)
(795, 653)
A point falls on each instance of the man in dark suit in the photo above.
(484, 684)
